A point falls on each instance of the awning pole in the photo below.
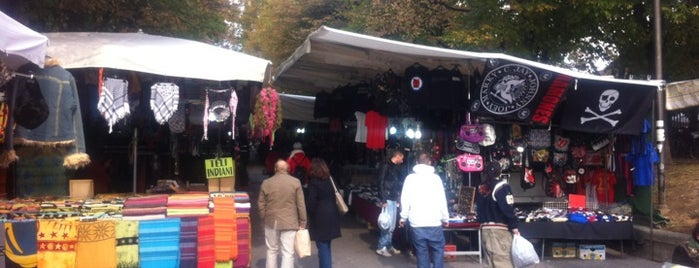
(135, 158)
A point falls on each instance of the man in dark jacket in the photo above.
(390, 185)
(495, 209)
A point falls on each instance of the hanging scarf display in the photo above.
(164, 101)
(159, 243)
(96, 241)
(220, 104)
(188, 242)
(5, 73)
(177, 120)
(4, 110)
(268, 114)
(56, 243)
(127, 243)
(225, 229)
(205, 241)
(113, 103)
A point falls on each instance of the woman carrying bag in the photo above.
(323, 216)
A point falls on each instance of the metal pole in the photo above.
(135, 158)
(660, 120)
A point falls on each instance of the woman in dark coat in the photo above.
(323, 216)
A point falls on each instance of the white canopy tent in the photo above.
(330, 58)
(19, 44)
(154, 54)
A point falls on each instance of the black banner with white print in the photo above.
(516, 92)
(603, 107)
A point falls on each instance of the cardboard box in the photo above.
(592, 252)
(563, 250)
(222, 185)
(449, 248)
(81, 189)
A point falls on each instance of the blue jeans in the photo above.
(386, 236)
(426, 239)
(325, 258)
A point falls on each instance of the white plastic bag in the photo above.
(302, 243)
(384, 220)
(523, 253)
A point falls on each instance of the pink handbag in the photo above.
(470, 162)
(472, 132)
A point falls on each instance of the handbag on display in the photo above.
(470, 162)
(472, 132)
(469, 147)
(339, 201)
(539, 138)
(488, 135)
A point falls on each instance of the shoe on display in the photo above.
(383, 252)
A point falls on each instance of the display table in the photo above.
(577, 231)
(466, 227)
(365, 209)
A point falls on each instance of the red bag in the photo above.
(470, 162)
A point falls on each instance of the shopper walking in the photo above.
(283, 210)
(323, 217)
(424, 207)
(390, 183)
(495, 209)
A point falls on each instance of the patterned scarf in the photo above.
(96, 244)
(159, 243)
(113, 103)
(164, 99)
(219, 105)
(244, 242)
(56, 243)
(177, 121)
(205, 242)
(127, 244)
(188, 242)
(226, 238)
(21, 243)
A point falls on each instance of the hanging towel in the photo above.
(56, 240)
(113, 103)
(159, 243)
(188, 242)
(205, 242)
(21, 243)
(96, 244)
(127, 244)
(164, 99)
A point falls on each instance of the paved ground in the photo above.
(356, 246)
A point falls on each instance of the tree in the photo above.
(203, 20)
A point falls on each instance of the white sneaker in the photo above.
(394, 251)
(383, 252)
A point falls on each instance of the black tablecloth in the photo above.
(579, 231)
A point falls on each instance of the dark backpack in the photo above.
(300, 171)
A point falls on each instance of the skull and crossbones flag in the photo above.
(519, 92)
(604, 107)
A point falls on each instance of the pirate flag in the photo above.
(512, 91)
(603, 107)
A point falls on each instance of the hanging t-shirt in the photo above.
(361, 127)
(417, 85)
(642, 159)
(376, 130)
(604, 182)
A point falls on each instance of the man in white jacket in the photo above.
(424, 206)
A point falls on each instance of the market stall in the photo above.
(556, 132)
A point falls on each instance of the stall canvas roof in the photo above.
(162, 55)
(329, 58)
(19, 44)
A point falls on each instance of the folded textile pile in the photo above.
(159, 243)
(145, 207)
(188, 204)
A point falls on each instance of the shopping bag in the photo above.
(523, 253)
(302, 243)
(339, 201)
(384, 220)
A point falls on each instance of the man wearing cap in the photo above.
(495, 210)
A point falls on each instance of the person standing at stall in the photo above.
(495, 210)
(299, 164)
(282, 209)
(390, 183)
(323, 216)
(424, 206)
